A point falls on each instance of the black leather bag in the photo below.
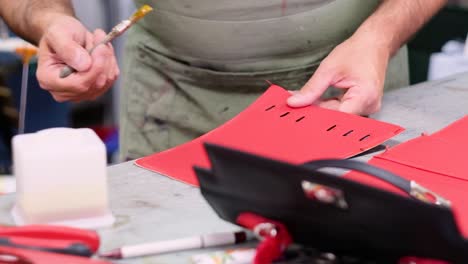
(357, 219)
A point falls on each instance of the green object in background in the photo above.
(451, 23)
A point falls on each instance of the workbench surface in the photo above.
(151, 207)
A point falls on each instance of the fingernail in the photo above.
(296, 97)
(299, 100)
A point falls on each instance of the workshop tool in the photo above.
(115, 32)
(10, 255)
(195, 242)
(27, 52)
(54, 239)
(10, 45)
(39, 244)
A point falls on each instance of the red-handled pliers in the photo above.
(54, 239)
(23, 256)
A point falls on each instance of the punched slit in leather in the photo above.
(300, 119)
(348, 133)
(269, 108)
(364, 138)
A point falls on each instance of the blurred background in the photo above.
(436, 51)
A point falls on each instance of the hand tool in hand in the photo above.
(115, 32)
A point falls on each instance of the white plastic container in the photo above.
(61, 179)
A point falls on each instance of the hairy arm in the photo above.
(395, 21)
(30, 19)
(63, 40)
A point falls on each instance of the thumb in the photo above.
(311, 91)
(70, 51)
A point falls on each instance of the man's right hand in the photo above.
(66, 42)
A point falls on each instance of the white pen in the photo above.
(160, 247)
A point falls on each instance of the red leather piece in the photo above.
(432, 154)
(455, 132)
(437, 162)
(272, 129)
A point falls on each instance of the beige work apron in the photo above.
(188, 71)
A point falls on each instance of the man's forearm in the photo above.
(30, 18)
(395, 21)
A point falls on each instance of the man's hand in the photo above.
(66, 42)
(358, 67)
(62, 41)
(359, 64)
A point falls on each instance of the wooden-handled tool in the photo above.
(115, 32)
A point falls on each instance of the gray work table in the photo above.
(151, 207)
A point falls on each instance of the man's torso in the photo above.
(231, 35)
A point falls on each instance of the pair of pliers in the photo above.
(10, 255)
(57, 239)
(47, 244)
